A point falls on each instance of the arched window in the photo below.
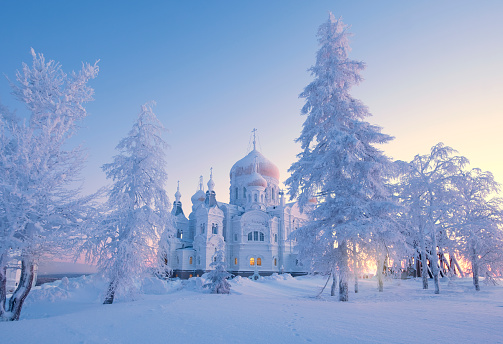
(190, 260)
(259, 262)
(235, 237)
(261, 236)
(272, 194)
(250, 236)
(202, 228)
(275, 237)
(214, 228)
(244, 192)
(255, 198)
(255, 236)
(235, 261)
(252, 261)
(237, 194)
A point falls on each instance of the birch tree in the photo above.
(40, 212)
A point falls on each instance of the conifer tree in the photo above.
(138, 206)
(339, 163)
(218, 275)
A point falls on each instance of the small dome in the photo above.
(199, 196)
(245, 166)
(257, 180)
(211, 185)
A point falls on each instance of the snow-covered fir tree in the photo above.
(339, 163)
(218, 275)
(40, 213)
(138, 207)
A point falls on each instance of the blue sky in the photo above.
(217, 69)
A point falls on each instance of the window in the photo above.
(261, 236)
(252, 261)
(255, 198)
(235, 261)
(235, 237)
(237, 194)
(202, 228)
(272, 194)
(275, 237)
(214, 228)
(275, 262)
(190, 260)
(255, 236)
(198, 260)
(259, 261)
(250, 236)
(244, 192)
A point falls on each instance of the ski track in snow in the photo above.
(276, 309)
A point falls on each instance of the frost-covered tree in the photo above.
(427, 189)
(40, 210)
(477, 222)
(138, 207)
(218, 275)
(339, 163)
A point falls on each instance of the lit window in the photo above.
(250, 236)
(261, 236)
(259, 261)
(190, 260)
(252, 261)
(255, 236)
(235, 261)
(275, 262)
(190, 276)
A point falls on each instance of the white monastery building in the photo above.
(254, 227)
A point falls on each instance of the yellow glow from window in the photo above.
(252, 261)
(259, 261)
(190, 260)
(235, 261)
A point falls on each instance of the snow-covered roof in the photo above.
(245, 166)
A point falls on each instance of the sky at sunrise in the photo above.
(218, 69)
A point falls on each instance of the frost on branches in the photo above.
(138, 207)
(39, 213)
(339, 163)
(218, 275)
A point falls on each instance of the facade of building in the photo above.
(254, 227)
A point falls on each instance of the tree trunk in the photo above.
(3, 284)
(109, 297)
(475, 270)
(23, 289)
(334, 284)
(355, 267)
(424, 263)
(434, 260)
(343, 278)
(380, 285)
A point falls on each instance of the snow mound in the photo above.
(154, 286)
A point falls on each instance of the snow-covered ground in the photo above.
(276, 309)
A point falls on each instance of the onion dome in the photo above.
(199, 196)
(245, 166)
(178, 195)
(255, 178)
(211, 183)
